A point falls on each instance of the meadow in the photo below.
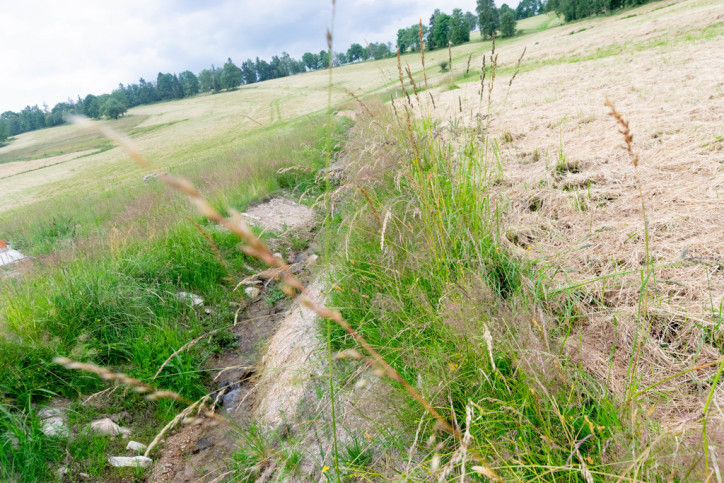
(555, 297)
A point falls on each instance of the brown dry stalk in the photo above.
(414, 86)
(467, 70)
(369, 201)
(402, 77)
(449, 60)
(213, 246)
(121, 378)
(482, 82)
(359, 101)
(517, 67)
(422, 52)
(294, 168)
(493, 68)
(292, 287)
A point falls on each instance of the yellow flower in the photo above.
(453, 367)
(325, 469)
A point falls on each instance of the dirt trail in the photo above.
(201, 452)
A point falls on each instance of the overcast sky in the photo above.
(52, 50)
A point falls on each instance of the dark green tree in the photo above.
(323, 59)
(472, 20)
(91, 107)
(431, 31)
(189, 83)
(311, 61)
(166, 86)
(230, 75)
(441, 32)
(248, 72)
(263, 70)
(528, 8)
(355, 52)
(340, 58)
(459, 28)
(488, 17)
(113, 108)
(206, 81)
(507, 22)
(147, 92)
(4, 131)
(12, 122)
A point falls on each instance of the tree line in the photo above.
(577, 9)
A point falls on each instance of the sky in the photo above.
(53, 50)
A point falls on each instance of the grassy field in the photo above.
(495, 254)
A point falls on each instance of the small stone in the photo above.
(12, 439)
(278, 255)
(136, 446)
(85, 476)
(107, 427)
(63, 470)
(130, 461)
(55, 426)
(229, 399)
(201, 445)
(190, 298)
(252, 292)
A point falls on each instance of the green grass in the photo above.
(441, 282)
(108, 296)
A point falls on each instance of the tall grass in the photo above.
(110, 295)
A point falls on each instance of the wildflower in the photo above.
(325, 469)
(453, 367)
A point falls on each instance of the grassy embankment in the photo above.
(108, 295)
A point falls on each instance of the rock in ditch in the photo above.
(136, 446)
(190, 298)
(53, 423)
(130, 461)
(252, 292)
(106, 427)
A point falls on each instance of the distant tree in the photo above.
(356, 52)
(248, 72)
(230, 75)
(298, 67)
(311, 61)
(409, 38)
(147, 92)
(4, 131)
(459, 27)
(340, 58)
(12, 122)
(379, 50)
(91, 108)
(113, 108)
(120, 96)
(189, 83)
(166, 86)
(263, 70)
(323, 59)
(528, 8)
(431, 31)
(507, 22)
(472, 21)
(488, 17)
(206, 81)
(442, 30)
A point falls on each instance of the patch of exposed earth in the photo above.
(276, 381)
